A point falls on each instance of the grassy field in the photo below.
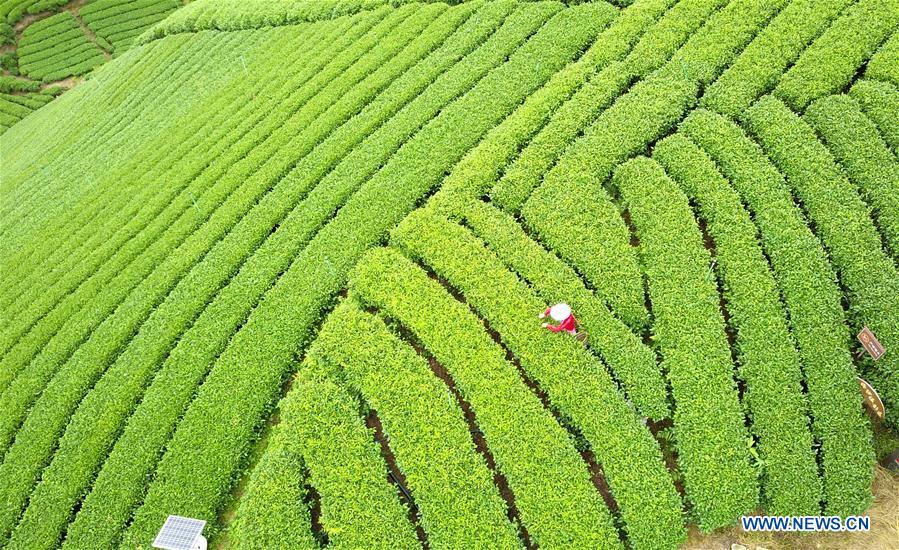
(278, 265)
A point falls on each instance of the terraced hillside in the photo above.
(278, 266)
(49, 45)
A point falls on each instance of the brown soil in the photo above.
(884, 533)
(480, 445)
(396, 476)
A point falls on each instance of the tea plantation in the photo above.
(278, 266)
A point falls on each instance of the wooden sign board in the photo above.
(872, 401)
(874, 348)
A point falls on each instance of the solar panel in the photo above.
(179, 533)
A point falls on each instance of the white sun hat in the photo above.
(560, 312)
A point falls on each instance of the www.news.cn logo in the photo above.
(805, 523)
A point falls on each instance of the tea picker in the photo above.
(561, 313)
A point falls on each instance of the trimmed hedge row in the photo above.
(320, 425)
(217, 147)
(473, 174)
(56, 47)
(856, 144)
(108, 106)
(56, 34)
(123, 477)
(844, 223)
(554, 496)
(654, 48)
(195, 482)
(813, 300)
(55, 338)
(763, 61)
(209, 185)
(13, 10)
(633, 363)
(192, 164)
(478, 169)
(97, 10)
(13, 84)
(119, 22)
(721, 40)
(453, 489)
(571, 210)
(13, 108)
(669, 34)
(7, 120)
(880, 102)
(83, 446)
(713, 456)
(575, 382)
(884, 64)
(524, 173)
(340, 40)
(833, 59)
(146, 238)
(273, 510)
(25, 292)
(768, 361)
(48, 29)
(233, 15)
(17, 107)
(102, 103)
(107, 340)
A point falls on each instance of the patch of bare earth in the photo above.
(884, 533)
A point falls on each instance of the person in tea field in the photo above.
(561, 313)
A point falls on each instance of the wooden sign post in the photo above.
(872, 401)
(874, 348)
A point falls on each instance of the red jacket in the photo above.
(569, 324)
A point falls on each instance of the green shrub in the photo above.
(524, 174)
(833, 58)
(632, 362)
(122, 385)
(844, 223)
(856, 144)
(713, 456)
(195, 483)
(123, 477)
(55, 48)
(233, 15)
(761, 64)
(813, 301)
(575, 382)
(7, 34)
(13, 84)
(423, 427)
(320, 425)
(880, 102)
(556, 500)
(189, 173)
(231, 198)
(768, 361)
(884, 65)
(10, 63)
(274, 511)
(118, 23)
(572, 212)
